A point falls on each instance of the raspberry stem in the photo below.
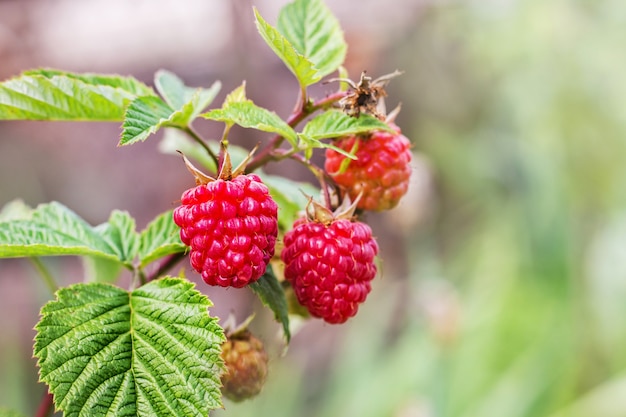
(195, 136)
(45, 406)
(304, 108)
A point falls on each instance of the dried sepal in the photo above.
(367, 95)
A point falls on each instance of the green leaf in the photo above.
(120, 232)
(160, 238)
(303, 68)
(177, 94)
(51, 95)
(152, 352)
(290, 196)
(249, 115)
(146, 115)
(315, 33)
(15, 210)
(334, 123)
(129, 84)
(272, 295)
(53, 230)
(237, 95)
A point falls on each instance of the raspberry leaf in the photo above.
(144, 117)
(120, 233)
(153, 351)
(249, 115)
(177, 94)
(300, 65)
(55, 95)
(315, 33)
(271, 294)
(160, 238)
(51, 230)
(333, 124)
(179, 106)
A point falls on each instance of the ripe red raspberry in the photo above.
(330, 266)
(246, 366)
(381, 171)
(231, 226)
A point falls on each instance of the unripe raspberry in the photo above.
(246, 367)
(231, 226)
(381, 172)
(330, 266)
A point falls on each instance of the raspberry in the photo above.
(381, 172)
(231, 226)
(330, 266)
(246, 367)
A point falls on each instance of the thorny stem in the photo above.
(45, 274)
(45, 406)
(189, 130)
(301, 112)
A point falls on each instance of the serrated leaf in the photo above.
(152, 352)
(334, 123)
(271, 294)
(161, 237)
(178, 95)
(290, 196)
(315, 33)
(249, 115)
(236, 96)
(52, 230)
(120, 233)
(144, 117)
(129, 84)
(300, 65)
(61, 96)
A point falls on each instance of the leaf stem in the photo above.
(44, 272)
(195, 136)
(45, 406)
(303, 109)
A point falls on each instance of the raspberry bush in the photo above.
(153, 349)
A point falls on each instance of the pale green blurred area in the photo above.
(515, 299)
(504, 292)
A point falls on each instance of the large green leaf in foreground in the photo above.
(154, 351)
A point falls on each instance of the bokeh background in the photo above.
(503, 290)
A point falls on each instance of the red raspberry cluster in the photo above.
(381, 172)
(231, 226)
(330, 266)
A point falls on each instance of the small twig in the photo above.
(46, 406)
(195, 136)
(45, 274)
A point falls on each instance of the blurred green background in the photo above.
(503, 290)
